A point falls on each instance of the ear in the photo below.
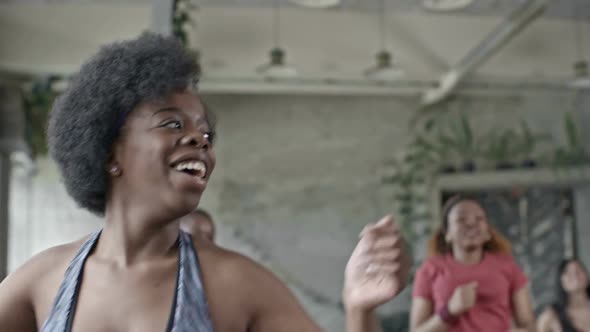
(113, 167)
(115, 171)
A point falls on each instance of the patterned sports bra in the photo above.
(189, 312)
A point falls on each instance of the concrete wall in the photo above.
(297, 178)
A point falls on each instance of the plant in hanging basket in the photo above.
(37, 102)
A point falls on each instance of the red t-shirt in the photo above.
(498, 278)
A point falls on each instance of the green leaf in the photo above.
(571, 130)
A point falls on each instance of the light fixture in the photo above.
(581, 78)
(384, 70)
(317, 3)
(277, 67)
(445, 5)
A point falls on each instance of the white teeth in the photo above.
(198, 166)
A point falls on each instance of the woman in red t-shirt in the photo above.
(470, 283)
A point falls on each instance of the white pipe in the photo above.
(162, 17)
(492, 43)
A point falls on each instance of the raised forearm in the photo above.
(362, 321)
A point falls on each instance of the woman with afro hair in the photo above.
(133, 141)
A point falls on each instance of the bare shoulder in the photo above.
(43, 264)
(264, 301)
(30, 288)
(232, 268)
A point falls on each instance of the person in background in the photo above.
(199, 222)
(571, 311)
(470, 282)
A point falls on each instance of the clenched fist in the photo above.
(378, 267)
(463, 298)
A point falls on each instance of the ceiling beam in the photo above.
(490, 45)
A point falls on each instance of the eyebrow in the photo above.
(167, 109)
(202, 120)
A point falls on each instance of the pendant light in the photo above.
(384, 70)
(277, 67)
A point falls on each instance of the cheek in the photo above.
(583, 278)
(485, 228)
(452, 233)
(145, 155)
(567, 282)
(213, 157)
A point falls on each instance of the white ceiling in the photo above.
(235, 36)
(557, 8)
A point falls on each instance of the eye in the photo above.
(172, 124)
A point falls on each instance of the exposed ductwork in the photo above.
(492, 43)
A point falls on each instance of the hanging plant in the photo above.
(182, 22)
(37, 102)
(181, 19)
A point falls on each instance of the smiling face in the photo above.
(165, 155)
(574, 278)
(467, 226)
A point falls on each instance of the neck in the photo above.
(578, 299)
(131, 235)
(467, 256)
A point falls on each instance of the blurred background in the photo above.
(331, 114)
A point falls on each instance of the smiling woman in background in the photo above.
(470, 283)
(134, 143)
(571, 312)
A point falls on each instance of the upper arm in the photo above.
(420, 312)
(548, 322)
(16, 308)
(31, 284)
(521, 299)
(422, 297)
(276, 308)
(522, 308)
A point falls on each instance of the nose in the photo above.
(197, 140)
(470, 221)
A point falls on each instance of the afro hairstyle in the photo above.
(86, 119)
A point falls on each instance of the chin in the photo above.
(473, 246)
(181, 205)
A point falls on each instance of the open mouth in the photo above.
(194, 168)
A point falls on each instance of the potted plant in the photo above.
(461, 140)
(574, 153)
(500, 149)
(528, 142)
(422, 153)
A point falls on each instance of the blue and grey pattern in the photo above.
(189, 312)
